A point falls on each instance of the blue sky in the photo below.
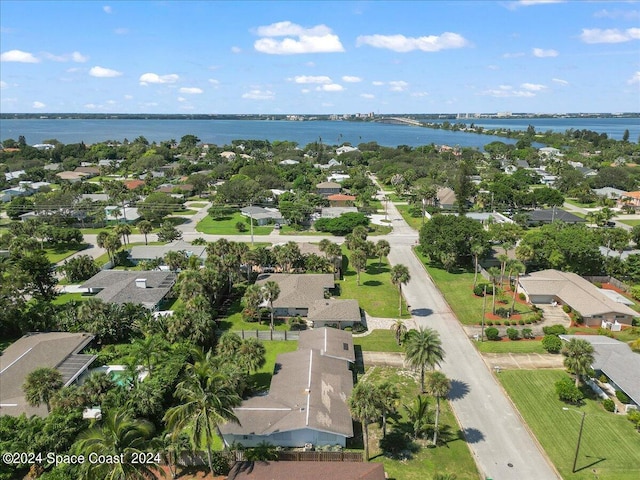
(541, 56)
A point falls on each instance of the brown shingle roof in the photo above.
(332, 310)
(119, 286)
(340, 197)
(299, 290)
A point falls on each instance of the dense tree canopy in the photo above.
(450, 234)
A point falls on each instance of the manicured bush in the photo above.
(568, 392)
(551, 343)
(478, 290)
(527, 333)
(554, 330)
(620, 395)
(520, 322)
(522, 296)
(359, 328)
(502, 312)
(566, 308)
(603, 378)
(507, 323)
(513, 334)
(497, 322)
(609, 405)
(489, 323)
(528, 321)
(605, 332)
(635, 292)
(579, 319)
(634, 417)
(492, 333)
(241, 227)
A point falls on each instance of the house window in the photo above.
(345, 346)
(621, 316)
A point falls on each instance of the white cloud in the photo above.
(513, 55)
(3, 84)
(493, 67)
(533, 87)
(67, 57)
(182, 99)
(398, 85)
(351, 79)
(90, 106)
(318, 39)
(214, 82)
(18, 56)
(377, 83)
(559, 81)
(504, 91)
(38, 105)
(541, 53)
(107, 9)
(128, 97)
(609, 35)
(236, 50)
(400, 43)
(121, 31)
(147, 78)
(326, 104)
(305, 90)
(635, 78)
(78, 57)
(102, 72)
(623, 14)
(311, 79)
(420, 94)
(368, 96)
(257, 94)
(331, 87)
(191, 90)
(310, 64)
(528, 3)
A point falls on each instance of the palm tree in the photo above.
(388, 397)
(399, 329)
(97, 386)
(476, 250)
(270, 293)
(112, 244)
(149, 350)
(494, 273)
(119, 434)
(525, 252)
(364, 406)
(253, 297)
(123, 230)
(228, 345)
(145, 228)
(359, 262)
(251, 354)
(175, 260)
(40, 385)
(423, 349)
(400, 276)
(323, 245)
(578, 357)
(439, 386)
(418, 416)
(206, 400)
(334, 253)
(518, 268)
(382, 250)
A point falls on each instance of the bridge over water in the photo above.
(399, 121)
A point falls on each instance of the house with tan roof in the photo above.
(306, 403)
(328, 188)
(597, 309)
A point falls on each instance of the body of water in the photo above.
(222, 132)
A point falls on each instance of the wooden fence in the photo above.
(266, 334)
(299, 456)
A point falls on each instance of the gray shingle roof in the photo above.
(299, 290)
(119, 286)
(330, 341)
(150, 252)
(332, 310)
(617, 361)
(550, 215)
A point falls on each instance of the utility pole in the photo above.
(251, 224)
(484, 306)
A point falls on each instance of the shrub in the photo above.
(513, 334)
(489, 323)
(551, 343)
(566, 308)
(497, 322)
(520, 322)
(502, 312)
(620, 395)
(241, 227)
(507, 323)
(528, 321)
(527, 333)
(554, 330)
(634, 417)
(522, 296)
(603, 378)
(478, 290)
(598, 284)
(492, 333)
(635, 292)
(359, 328)
(567, 391)
(605, 332)
(579, 319)
(609, 405)
(221, 462)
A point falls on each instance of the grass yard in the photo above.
(414, 222)
(234, 321)
(262, 378)
(457, 289)
(186, 211)
(57, 253)
(378, 341)
(625, 335)
(518, 346)
(227, 226)
(576, 203)
(287, 230)
(631, 223)
(375, 294)
(375, 230)
(196, 205)
(450, 456)
(610, 448)
(70, 297)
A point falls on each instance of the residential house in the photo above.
(139, 253)
(305, 470)
(446, 198)
(546, 178)
(184, 189)
(148, 288)
(609, 192)
(345, 149)
(328, 188)
(298, 291)
(59, 350)
(341, 200)
(616, 361)
(306, 404)
(331, 312)
(95, 197)
(631, 198)
(263, 216)
(89, 171)
(550, 215)
(549, 152)
(338, 177)
(289, 162)
(116, 213)
(596, 308)
(334, 212)
(587, 172)
(72, 177)
(8, 176)
(326, 166)
(133, 184)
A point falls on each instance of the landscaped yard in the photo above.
(414, 222)
(631, 223)
(378, 341)
(375, 294)
(610, 448)
(196, 204)
(227, 226)
(57, 253)
(576, 203)
(70, 297)
(233, 320)
(518, 346)
(450, 456)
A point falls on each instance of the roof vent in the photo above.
(141, 282)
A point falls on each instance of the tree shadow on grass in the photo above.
(372, 283)
(374, 269)
(459, 389)
(421, 312)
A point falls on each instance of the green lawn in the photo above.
(413, 222)
(197, 205)
(625, 335)
(450, 456)
(378, 341)
(228, 226)
(262, 378)
(574, 202)
(631, 223)
(69, 297)
(186, 211)
(519, 346)
(287, 230)
(610, 447)
(457, 289)
(375, 294)
(57, 253)
(234, 321)
(376, 230)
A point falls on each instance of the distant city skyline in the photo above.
(272, 57)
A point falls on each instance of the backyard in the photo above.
(610, 447)
(227, 226)
(378, 341)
